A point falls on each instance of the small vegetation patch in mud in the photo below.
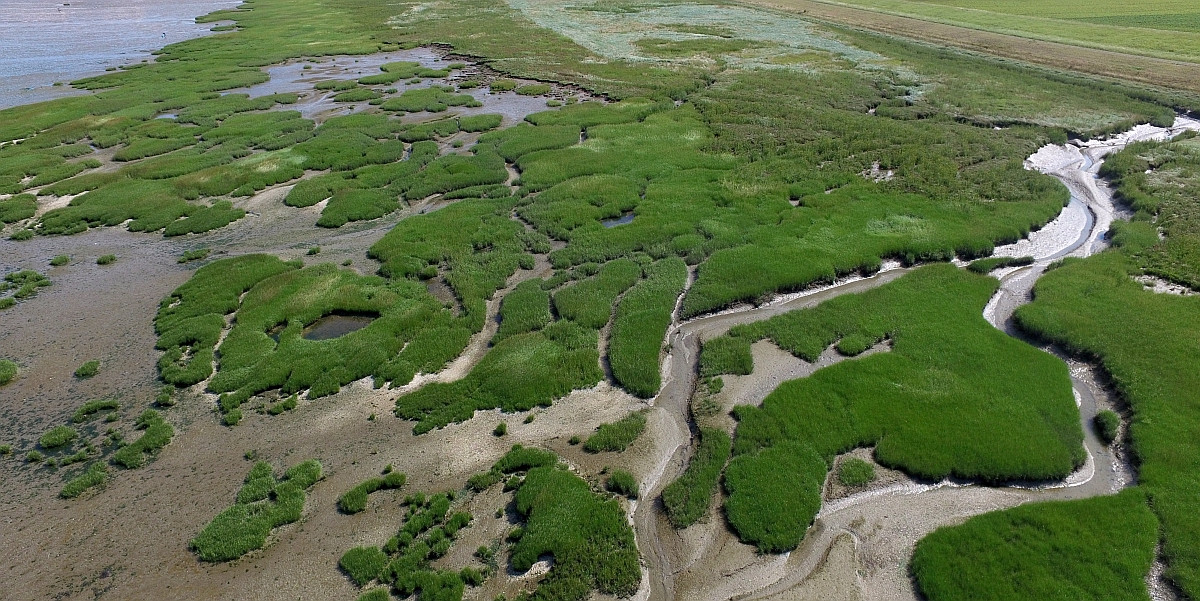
(428, 533)
(8, 371)
(618, 435)
(87, 369)
(919, 404)
(991, 264)
(1093, 548)
(855, 472)
(263, 504)
(21, 285)
(355, 499)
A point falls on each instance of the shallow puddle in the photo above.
(622, 220)
(336, 325)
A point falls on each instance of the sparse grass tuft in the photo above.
(106, 259)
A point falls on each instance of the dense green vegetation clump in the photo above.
(355, 499)
(618, 435)
(948, 400)
(8, 371)
(855, 472)
(1099, 548)
(263, 504)
(640, 327)
(19, 286)
(688, 498)
(92, 407)
(158, 432)
(95, 475)
(588, 536)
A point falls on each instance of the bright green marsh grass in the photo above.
(688, 498)
(95, 475)
(263, 504)
(855, 472)
(8, 371)
(1147, 343)
(617, 436)
(355, 499)
(57, 437)
(91, 408)
(953, 397)
(1099, 548)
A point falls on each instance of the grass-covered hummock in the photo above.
(87, 369)
(618, 435)
(8, 371)
(95, 475)
(57, 437)
(92, 407)
(1098, 548)
(263, 504)
(855, 472)
(355, 499)
(953, 397)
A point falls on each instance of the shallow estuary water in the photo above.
(44, 42)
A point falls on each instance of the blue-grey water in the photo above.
(48, 41)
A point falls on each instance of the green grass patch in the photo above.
(87, 370)
(525, 309)
(90, 408)
(60, 260)
(688, 498)
(8, 371)
(991, 264)
(95, 475)
(264, 503)
(640, 327)
(355, 499)
(58, 437)
(622, 483)
(617, 436)
(953, 397)
(1099, 548)
(198, 254)
(855, 472)
(157, 432)
(1107, 424)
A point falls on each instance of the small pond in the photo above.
(622, 220)
(336, 325)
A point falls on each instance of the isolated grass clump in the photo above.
(855, 472)
(991, 264)
(988, 387)
(106, 259)
(525, 309)
(592, 543)
(355, 499)
(87, 370)
(640, 327)
(688, 498)
(1107, 424)
(434, 99)
(622, 483)
(57, 437)
(90, 408)
(8, 371)
(263, 504)
(618, 435)
(197, 254)
(60, 260)
(157, 432)
(1089, 549)
(95, 475)
(533, 89)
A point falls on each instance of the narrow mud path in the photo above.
(705, 561)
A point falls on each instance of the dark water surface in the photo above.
(336, 326)
(48, 41)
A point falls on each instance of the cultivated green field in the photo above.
(1159, 28)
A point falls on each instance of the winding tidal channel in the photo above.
(859, 545)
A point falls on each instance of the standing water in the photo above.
(43, 42)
